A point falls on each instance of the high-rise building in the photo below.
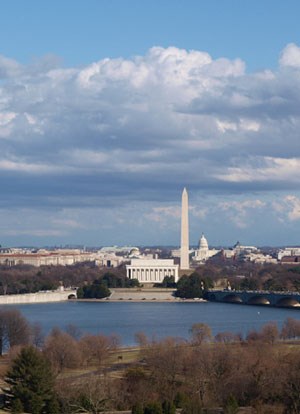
(184, 251)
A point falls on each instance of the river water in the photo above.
(157, 320)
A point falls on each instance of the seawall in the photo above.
(139, 294)
(39, 297)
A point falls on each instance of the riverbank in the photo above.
(132, 300)
(143, 295)
(158, 295)
(38, 297)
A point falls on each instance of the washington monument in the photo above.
(184, 251)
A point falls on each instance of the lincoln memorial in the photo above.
(151, 270)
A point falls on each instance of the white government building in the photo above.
(151, 270)
(155, 270)
(203, 253)
(42, 257)
(288, 251)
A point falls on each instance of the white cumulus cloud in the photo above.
(124, 131)
(290, 56)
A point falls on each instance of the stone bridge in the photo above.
(279, 299)
(38, 297)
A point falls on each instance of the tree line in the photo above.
(240, 275)
(28, 279)
(187, 287)
(253, 276)
(99, 288)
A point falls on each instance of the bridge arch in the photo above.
(72, 296)
(258, 300)
(287, 302)
(232, 298)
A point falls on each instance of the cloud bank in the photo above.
(120, 138)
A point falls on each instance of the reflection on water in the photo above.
(154, 319)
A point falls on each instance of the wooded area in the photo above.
(240, 276)
(91, 373)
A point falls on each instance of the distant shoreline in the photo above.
(145, 294)
(175, 300)
(119, 295)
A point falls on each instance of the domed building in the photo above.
(203, 253)
(134, 252)
(203, 243)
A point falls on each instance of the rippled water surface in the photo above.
(154, 319)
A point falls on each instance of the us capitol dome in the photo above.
(203, 245)
(203, 253)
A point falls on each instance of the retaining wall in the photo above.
(38, 297)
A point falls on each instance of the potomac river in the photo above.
(156, 320)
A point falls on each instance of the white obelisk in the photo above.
(184, 252)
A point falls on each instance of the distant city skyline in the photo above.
(108, 109)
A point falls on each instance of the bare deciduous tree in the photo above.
(290, 329)
(200, 333)
(62, 350)
(141, 339)
(37, 336)
(73, 331)
(96, 348)
(14, 329)
(270, 333)
(227, 337)
(87, 394)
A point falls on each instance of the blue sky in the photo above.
(84, 31)
(109, 108)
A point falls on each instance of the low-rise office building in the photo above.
(288, 251)
(43, 257)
